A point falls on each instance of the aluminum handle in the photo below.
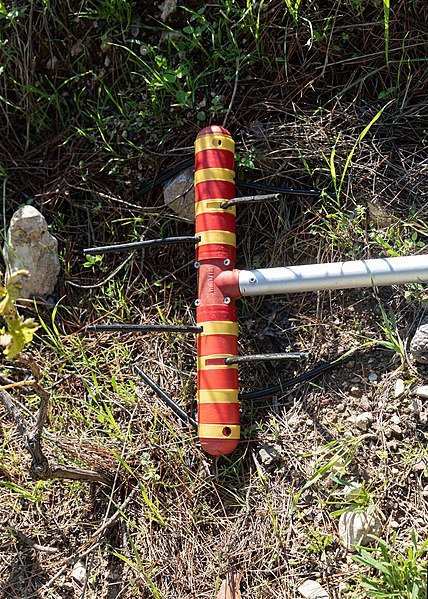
(334, 275)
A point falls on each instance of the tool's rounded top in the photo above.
(214, 129)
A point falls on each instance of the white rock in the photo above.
(179, 194)
(422, 391)
(399, 388)
(30, 246)
(419, 343)
(355, 528)
(311, 589)
(79, 572)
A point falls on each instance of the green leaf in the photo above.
(21, 332)
(14, 283)
(366, 559)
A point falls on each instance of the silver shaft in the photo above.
(334, 275)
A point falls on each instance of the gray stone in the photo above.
(419, 343)
(268, 454)
(179, 194)
(362, 421)
(168, 7)
(355, 528)
(31, 247)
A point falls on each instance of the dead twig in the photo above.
(41, 468)
(30, 543)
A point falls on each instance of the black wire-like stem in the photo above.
(144, 328)
(169, 402)
(266, 357)
(190, 162)
(269, 197)
(301, 378)
(141, 244)
(273, 189)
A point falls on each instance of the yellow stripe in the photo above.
(214, 174)
(214, 141)
(218, 396)
(213, 206)
(217, 237)
(219, 327)
(217, 431)
(203, 366)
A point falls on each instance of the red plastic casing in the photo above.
(218, 407)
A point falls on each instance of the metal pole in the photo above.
(334, 275)
(143, 328)
(135, 245)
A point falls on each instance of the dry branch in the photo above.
(41, 468)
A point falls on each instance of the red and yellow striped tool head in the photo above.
(218, 408)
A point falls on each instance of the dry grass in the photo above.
(174, 521)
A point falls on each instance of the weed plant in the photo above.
(397, 574)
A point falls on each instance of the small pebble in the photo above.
(362, 421)
(395, 419)
(311, 589)
(419, 466)
(419, 343)
(79, 572)
(52, 63)
(399, 388)
(268, 454)
(422, 391)
(372, 377)
(415, 405)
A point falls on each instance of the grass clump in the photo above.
(401, 574)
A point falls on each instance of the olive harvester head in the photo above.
(220, 284)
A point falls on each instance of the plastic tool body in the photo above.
(218, 407)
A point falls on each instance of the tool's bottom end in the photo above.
(219, 447)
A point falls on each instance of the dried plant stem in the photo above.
(41, 468)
